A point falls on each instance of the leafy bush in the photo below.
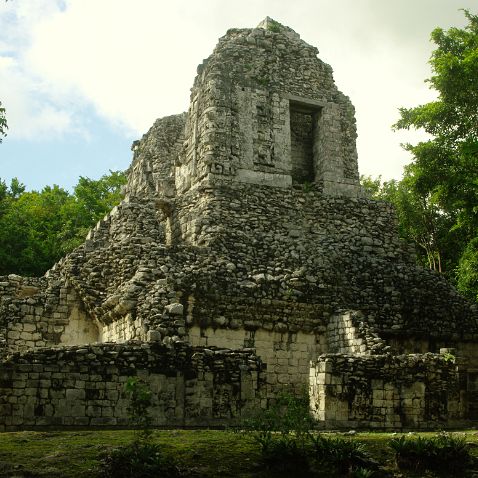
(274, 26)
(363, 473)
(467, 271)
(284, 432)
(443, 453)
(281, 431)
(343, 455)
(137, 460)
(289, 414)
(141, 458)
(285, 455)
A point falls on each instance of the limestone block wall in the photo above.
(238, 126)
(123, 329)
(349, 333)
(286, 356)
(297, 247)
(84, 385)
(263, 258)
(292, 259)
(388, 392)
(236, 216)
(91, 288)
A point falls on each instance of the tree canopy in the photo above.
(38, 227)
(446, 166)
(437, 199)
(421, 221)
(3, 122)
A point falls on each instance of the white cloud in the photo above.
(33, 110)
(30, 112)
(135, 61)
(50, 121)
(117, 55)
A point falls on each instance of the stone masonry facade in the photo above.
(244, 260)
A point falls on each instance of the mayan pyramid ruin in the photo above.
(243, 261)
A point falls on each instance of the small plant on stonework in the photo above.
(273, 26)
(140, 401)
(448, 357)
(141, 458)
(262, 80)
(307, 187)
(289, 293)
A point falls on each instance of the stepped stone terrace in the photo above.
(244, 260)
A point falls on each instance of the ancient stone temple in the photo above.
(243, 261)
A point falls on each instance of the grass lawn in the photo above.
(204, 453)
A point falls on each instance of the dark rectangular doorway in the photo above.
(303, 130)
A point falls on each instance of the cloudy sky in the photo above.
(82, 79)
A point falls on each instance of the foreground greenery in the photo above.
(281, 441)
(197, 453)
(39, 227)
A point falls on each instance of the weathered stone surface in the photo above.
(386, 391)
(243, 227)
(82, 386)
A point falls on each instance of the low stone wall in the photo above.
(388, 392)
(82, 386)
(42, 312)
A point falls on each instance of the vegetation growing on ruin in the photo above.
(142, 458)
(290, 445)
(273, 26)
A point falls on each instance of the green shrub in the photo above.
(467, 271)
(274, 26)
(288, 418)
(137, 460)
(443, 453)
(342, 455)
(283, 454)
(363, 473)
(141, 458)
(281, 431)
(140, 401)
(288, 414)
